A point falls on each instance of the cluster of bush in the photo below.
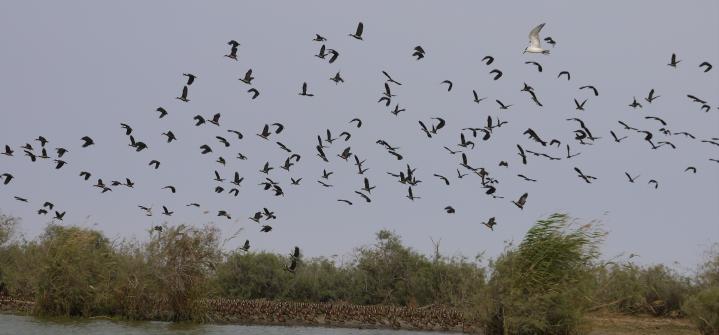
(544, 284)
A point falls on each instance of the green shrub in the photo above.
(703, 309)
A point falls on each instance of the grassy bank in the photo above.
(545, 284)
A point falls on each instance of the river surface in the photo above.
(24, 325)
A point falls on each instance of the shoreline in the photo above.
(221, 311)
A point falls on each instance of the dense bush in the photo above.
(703, 307)
(631, 289)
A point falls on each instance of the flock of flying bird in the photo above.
(469, 137)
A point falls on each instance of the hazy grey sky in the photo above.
(77, 68)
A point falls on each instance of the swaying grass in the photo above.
(542, 285)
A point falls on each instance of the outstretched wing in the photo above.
(534, 36)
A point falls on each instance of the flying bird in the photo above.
(535, 45)
(706, 66)
(358, 32)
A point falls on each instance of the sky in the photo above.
(80, 68)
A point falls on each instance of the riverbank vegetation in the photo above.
(546, 283)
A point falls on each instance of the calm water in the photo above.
(23, 325)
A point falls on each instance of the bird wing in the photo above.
(534, 36)
(360, 28)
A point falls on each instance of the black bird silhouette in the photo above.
(42, 140)
(580, 106)
(635, 104)
(60, 163)
(199, 120)
(566, 73)
(488, 60)
(587, 178)
(674, 61)
(265, 132)
(367, 188)
(691, 168)
(8, 177)
(337, 78)
(497, 73)
(162, 112)
(155, 163)
(594, 89)
(223, 141)
(171, 188)
(533, 135)
(128, 129)
(526, 178)
(449, 85)
(205, 149)
(550, 41)
(246, 246)
(183, 97)
(190, 78)
(170, 136)
(418, 52)
(322, 53)
(651, 97)
(255, 93)
(616, 139)
(359, 122)
(490, 223)
(358, 32)
(410, 194)
(59, 216)
(247, 79)
(8, 151)
(87, 141)
(502, 105)
(319, 38)
(85, 175)
(20, 199)
(477, 99)
(656, 183)
(631, 179)
(233, 50)
(266, 168)
(304, 91)
(523, 155)
(364, 196)
(166, 211)
(215, 119)
(449, 210)
(539, 66)
(345, 201)
(389, 79)
(706, 65)
(521, 201)
(446, 181)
